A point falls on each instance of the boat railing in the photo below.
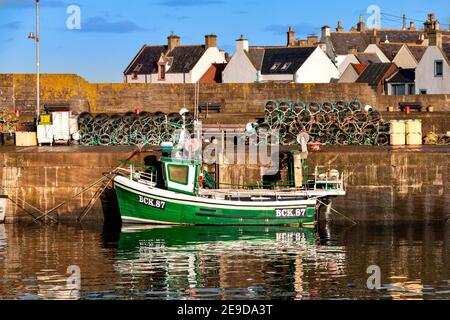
(148, 178)
(326, 178)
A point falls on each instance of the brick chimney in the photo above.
(429, 24)
(361, 26)
(411, 26)
(290, 37)
(312, 40)
(435, 38)
(374, 38)
(173, 41)
(339, 27)
(242, 44)
(210, 41)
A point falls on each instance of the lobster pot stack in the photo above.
(146, 129)
(331, 123)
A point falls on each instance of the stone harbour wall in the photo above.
(383, 184)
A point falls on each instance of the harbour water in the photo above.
(37, 262)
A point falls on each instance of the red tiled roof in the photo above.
(213, 74)
(359, 67)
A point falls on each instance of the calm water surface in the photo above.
(224, 263)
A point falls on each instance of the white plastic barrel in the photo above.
(413, 130)
(398, 132)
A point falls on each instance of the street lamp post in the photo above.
(36, 37)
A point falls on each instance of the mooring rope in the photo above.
(341, 214)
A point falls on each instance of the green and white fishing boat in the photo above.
(180, 199)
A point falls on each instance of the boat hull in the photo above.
(146, 205)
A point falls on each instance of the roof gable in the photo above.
(285, 60)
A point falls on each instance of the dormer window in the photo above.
(138, 68)
(286, 66)
(275, 66)
(162, 72)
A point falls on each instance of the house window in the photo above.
(398, 89)
(162, 72)
(286, 66)
(411, 89)
(423, 91)
(275, 66)
(438, 68)
(134, 76)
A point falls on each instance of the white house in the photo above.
(358, 58)
(279, 64)
(174, 63)
(433, 71)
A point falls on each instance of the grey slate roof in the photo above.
(403, 76)
(367, 58)
(446, 51)
(185, 58)
(285, 60)
(390, 50)
(374, 73)
(344, 41)
(417, 51)
(148, 57)
(256, 56)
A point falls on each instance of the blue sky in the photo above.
(112, 32)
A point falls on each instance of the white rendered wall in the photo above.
(425, 78)
(404, 59)
(239, 69)
(211, 55)
(318, 68)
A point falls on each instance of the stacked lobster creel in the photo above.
(145, 129)
(328, 123)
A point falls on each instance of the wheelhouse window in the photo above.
(178, 173)
(438, 68)
(162, 72)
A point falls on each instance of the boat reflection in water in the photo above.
(227, 262)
